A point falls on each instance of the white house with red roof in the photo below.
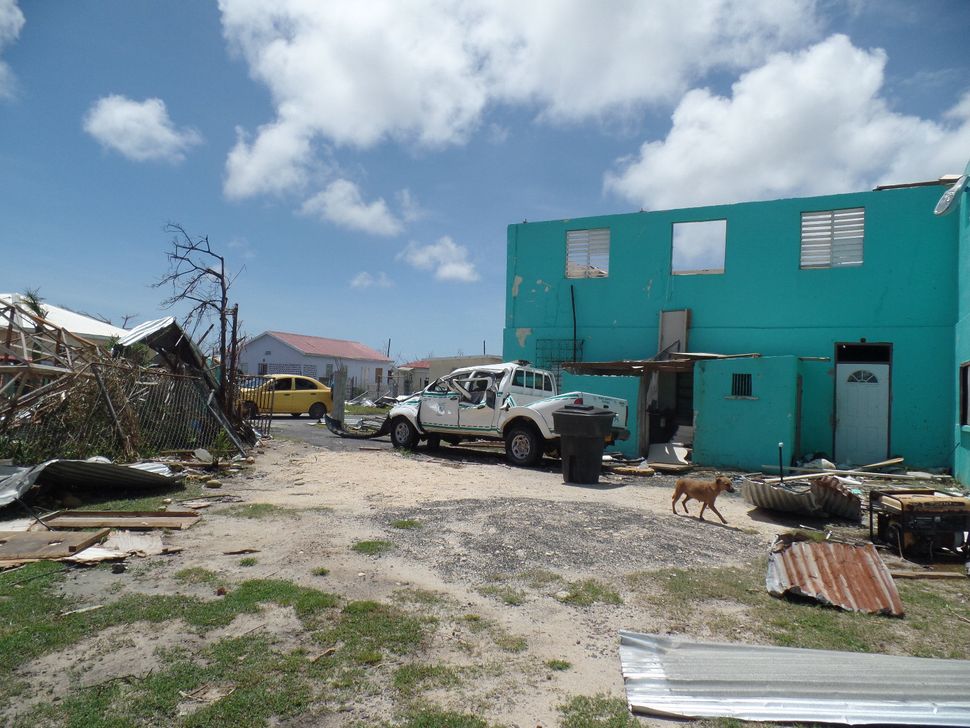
(279, 352)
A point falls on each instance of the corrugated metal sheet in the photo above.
(811, 498)
(679, 678)
(93, 474)
(838, 574)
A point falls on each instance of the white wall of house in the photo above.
(268, 355)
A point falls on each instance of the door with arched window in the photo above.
(862, 403)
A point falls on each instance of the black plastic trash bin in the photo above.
(582, 430)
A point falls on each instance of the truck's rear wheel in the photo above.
(523, 446)
(403, 434)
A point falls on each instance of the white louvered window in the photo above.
(588, 253)
(832, 238)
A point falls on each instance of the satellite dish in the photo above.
(949, 198)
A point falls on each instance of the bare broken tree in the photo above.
(197, 274)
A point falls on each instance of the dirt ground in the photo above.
(495, 546)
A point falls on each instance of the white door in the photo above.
(439, 409)
(861, 413)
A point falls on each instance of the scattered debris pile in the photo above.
(62, 396)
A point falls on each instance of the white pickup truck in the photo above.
(513, 402)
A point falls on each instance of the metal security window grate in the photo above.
(740, 385)
(832, 238)
(588, 253)
(551, 353)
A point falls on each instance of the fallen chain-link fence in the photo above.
(118, 410)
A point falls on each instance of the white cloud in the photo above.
(447, 259)
(812, 122)
(425, 72)
(11, 23)
(411, 209)
(139, 130)
(341, 203)
(366, 280)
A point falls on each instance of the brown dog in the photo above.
(705, 491)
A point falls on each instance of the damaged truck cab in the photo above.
(512, 402)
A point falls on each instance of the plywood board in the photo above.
(137, 520)
(16, 545)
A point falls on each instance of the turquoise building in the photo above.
(837, 325)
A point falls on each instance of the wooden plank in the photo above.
(670, 467)
(134, 520)
(852, 473)
(22, 545)
(926, 575)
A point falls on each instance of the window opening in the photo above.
(965, 394)
(832, 238)
(305, 384)
(588, 253)
(862, 376)
(698, 247)
(740, 385)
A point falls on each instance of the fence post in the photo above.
(339, 393)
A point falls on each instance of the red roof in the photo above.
(419, 364)
(337, 348)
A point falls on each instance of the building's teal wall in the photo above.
(904, 293)
(627, 388)
(744, 432)
(961, 455)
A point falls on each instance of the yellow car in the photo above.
(287, 394)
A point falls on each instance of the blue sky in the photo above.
(361, 161)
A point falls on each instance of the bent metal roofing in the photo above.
(336, 348)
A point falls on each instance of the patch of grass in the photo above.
(257, 510)
(697, 597)
(266, 684)
(588, 592)
(596, 711)
(510, 642)
(248, 561)
(540, 578)
(372, 548)
(508, 595)
(414, 678)
(357, 409)
(31, 623)
(320, 571)
(196, 575)
(367, 629)
(406, 524)
(475, 622)
(138, 501)
(558, 665)
(426, 597)
(436, 718)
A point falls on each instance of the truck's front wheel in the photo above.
(403, 434)
(523, 446)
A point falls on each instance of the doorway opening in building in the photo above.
(863, 397)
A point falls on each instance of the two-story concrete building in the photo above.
(855, 309)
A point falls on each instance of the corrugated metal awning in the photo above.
(838, 574)
(679, 678)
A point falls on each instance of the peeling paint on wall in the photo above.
(546, 286)
(515, 286)
(522, 335)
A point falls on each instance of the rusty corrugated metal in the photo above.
(837, 574)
